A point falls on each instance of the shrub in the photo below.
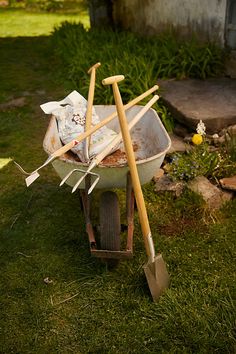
(141, 60)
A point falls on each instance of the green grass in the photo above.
(18, 22)
(88, 309)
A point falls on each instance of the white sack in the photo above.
(71, 115)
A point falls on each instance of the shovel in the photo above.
(34, 175)
(88, 121)
(110, 147)
(155, 269)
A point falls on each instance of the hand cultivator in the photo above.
(145, 143)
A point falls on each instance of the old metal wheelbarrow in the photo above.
(150, 143)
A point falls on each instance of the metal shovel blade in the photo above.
(157, 276)
(31, 178)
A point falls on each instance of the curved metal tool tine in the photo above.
(94, 183)
(21, 169)
(79, 181)
(83, 177)
(67, 176)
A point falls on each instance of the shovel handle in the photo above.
(133, 168)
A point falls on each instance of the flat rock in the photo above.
(191, 100)
(228, 183)
(213, 196)
(158, 174)
(165, 184)
(177, 144)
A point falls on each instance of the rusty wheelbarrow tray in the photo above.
(150, 142)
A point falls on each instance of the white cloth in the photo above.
(71, 116)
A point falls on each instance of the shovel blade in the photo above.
(157, 277)
(31, 178)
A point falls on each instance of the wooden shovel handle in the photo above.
(133, 171)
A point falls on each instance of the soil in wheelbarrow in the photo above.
(117, 158)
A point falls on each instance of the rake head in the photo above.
(85, 173)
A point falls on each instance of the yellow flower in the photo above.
(197, 139)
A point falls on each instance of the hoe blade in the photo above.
(157, 276)
(29, 180)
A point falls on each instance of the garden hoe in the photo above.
(34, 175)
(155, 269)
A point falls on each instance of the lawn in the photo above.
(18, 22)
(84, 307)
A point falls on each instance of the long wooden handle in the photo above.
(105, 121)
(88, 123)
(134, 173)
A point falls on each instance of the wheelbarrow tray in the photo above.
(150, 141)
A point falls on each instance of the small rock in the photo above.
(40, 92)
(166, 184)
(212, 195)
(26, 93)
(224, 135)
(47, 281)
(158, 175)
(180, 130)
(177, 144)
(15, 103)
(231, 130)
(229, 183)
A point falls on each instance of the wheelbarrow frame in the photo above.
(86, 203)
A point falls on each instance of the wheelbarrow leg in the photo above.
(87, 212)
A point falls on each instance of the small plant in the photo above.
(200, 160)
(197, 161)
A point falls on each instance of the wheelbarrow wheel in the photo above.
(110, 227)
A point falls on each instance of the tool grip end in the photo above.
(112, 79)
(95, 66)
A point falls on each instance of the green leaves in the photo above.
(141, 60)
(201, 161)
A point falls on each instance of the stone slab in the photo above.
(213, 196)
(213, 101)
(229, 183)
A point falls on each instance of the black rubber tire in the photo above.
(110, 227)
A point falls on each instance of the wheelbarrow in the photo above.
(150, 143)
